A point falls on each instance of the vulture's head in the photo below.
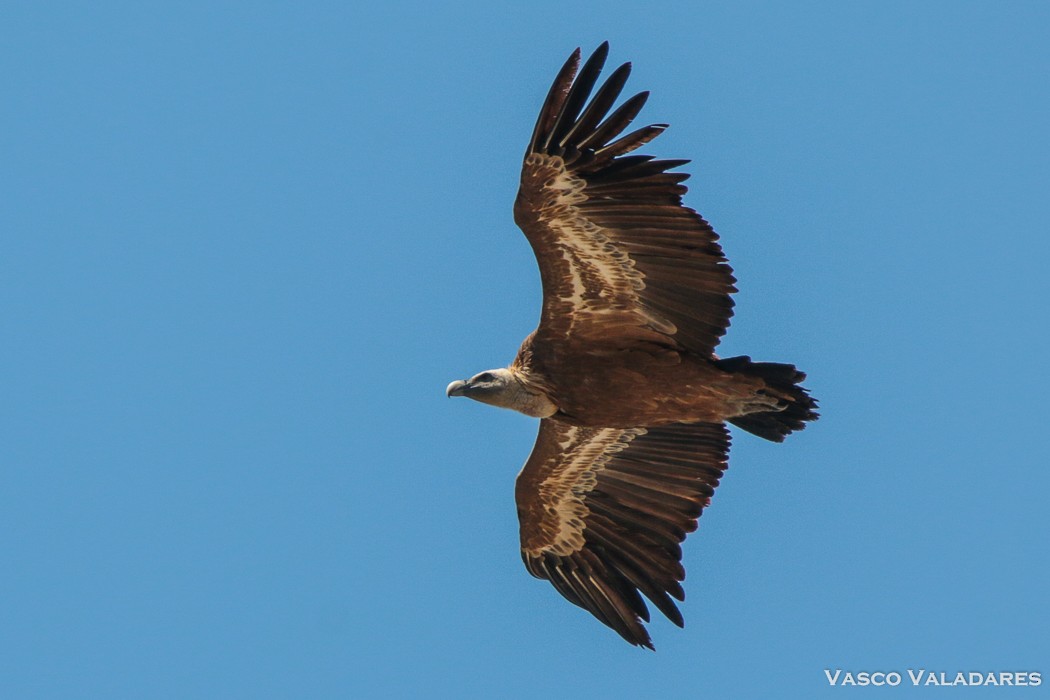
(500, 387)
(493, 386)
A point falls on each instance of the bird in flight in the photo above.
(621, 370)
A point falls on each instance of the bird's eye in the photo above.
(485, 377)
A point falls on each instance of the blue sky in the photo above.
(245, 249)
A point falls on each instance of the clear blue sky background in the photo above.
(244, 247)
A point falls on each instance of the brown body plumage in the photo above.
(621, 369)
(653, 386)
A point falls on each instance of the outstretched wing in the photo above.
(621, 259)
(603, 511)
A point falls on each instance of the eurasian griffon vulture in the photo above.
(621, 371)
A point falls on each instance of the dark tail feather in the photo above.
(784, 380)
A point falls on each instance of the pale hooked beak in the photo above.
(456, 388)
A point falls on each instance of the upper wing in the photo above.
(603, 511)
(620, 257)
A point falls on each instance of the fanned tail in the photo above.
(784, 380)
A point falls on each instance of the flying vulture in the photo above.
(621, 371)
